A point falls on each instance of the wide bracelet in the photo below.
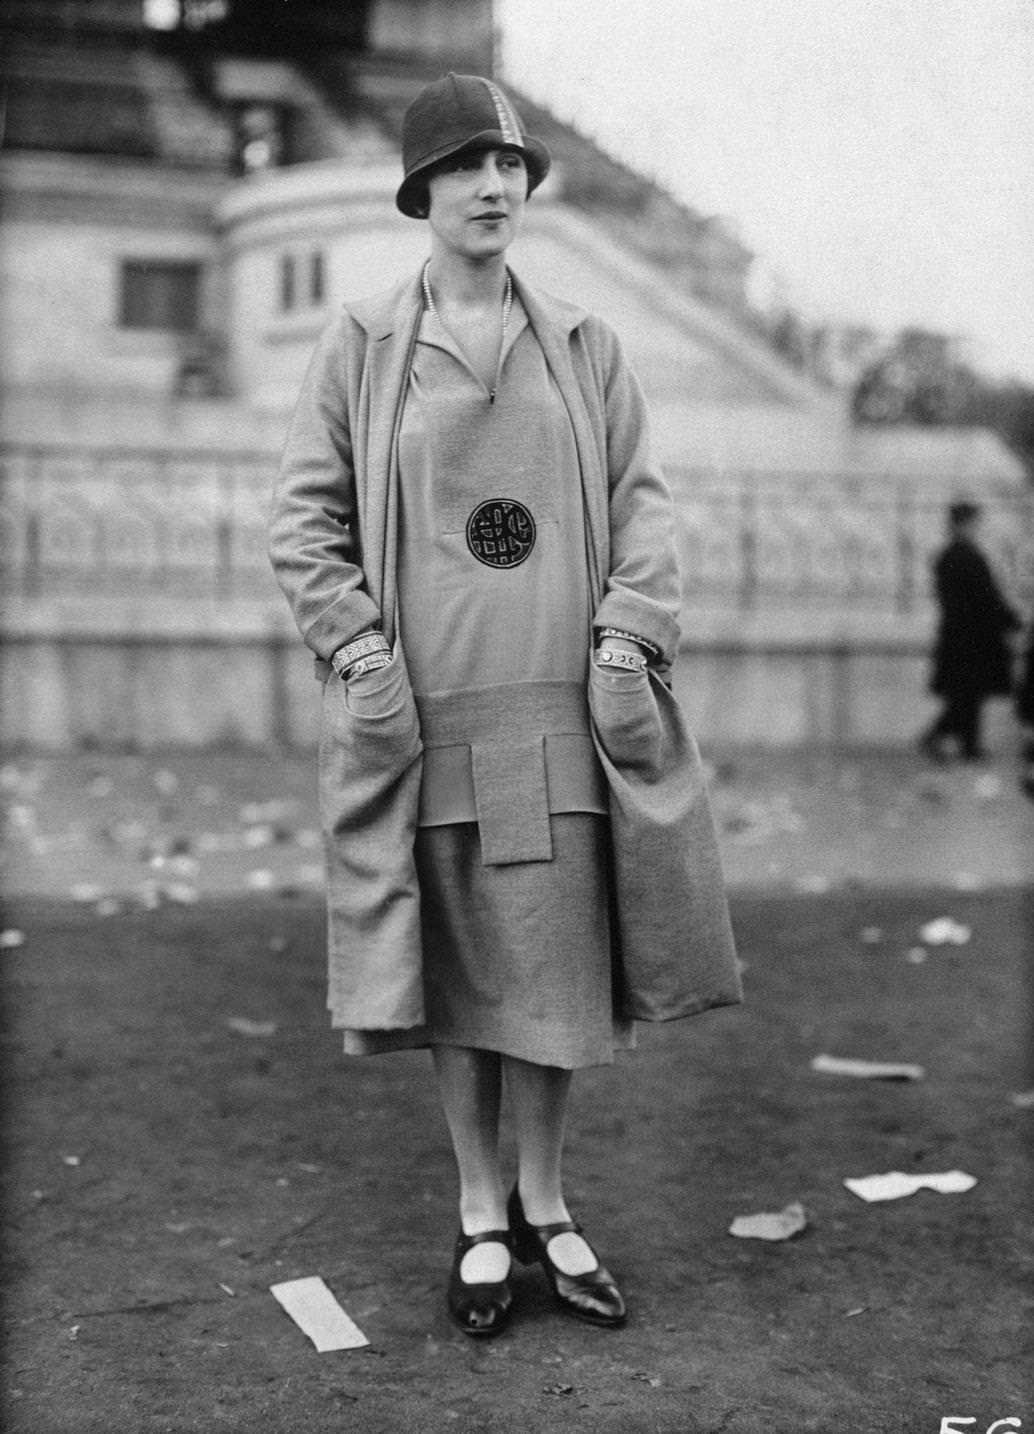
(613, 657)
(359, 647)
(368, 664)
(630, 637)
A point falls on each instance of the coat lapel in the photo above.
(555, 323)
(391, 324)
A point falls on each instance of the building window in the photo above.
(156, 294)
(288, 284)
(303, 281)
(317, 278)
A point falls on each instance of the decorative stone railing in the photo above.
(190, 525)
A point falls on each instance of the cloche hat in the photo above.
(460, 112)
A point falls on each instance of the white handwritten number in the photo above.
(952, 1424)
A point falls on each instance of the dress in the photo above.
(494, 616)
(334, 545)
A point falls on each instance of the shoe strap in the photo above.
(562, 1227)
(499, 1237)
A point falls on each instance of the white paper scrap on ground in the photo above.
(245, 1027)
(318, 1315)
(944, 931)
(1023, 1099)
(895, 1185)
(867, 1070)
(778, 1225)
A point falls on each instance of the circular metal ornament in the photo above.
(501, 533)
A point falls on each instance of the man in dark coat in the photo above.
(1025, 712)
(972, 659)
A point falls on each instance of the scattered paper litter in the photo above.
(276, 810)
(968, 881)
(86, 892)
(871, 935)
(867, 1070)
(1023, 1099)
(317, 1314)
(309, 874)
(813, 885)
(944, 931)
(11, 939)
(182, 893)
(243, 1027)
(779, 1225)
(149, 895)
(987, 787)
(10, 777)
(260, 879)
(895, 1185)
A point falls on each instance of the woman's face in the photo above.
(477, 200)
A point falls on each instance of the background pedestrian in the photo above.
(972, 659)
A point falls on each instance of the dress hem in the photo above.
(371, 1043)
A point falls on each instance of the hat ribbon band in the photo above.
(509, 126)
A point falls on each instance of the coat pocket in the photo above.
(677, 954)
(626, 717)
(371, 756)
(374, 717)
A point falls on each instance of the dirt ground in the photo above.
(182, 1132)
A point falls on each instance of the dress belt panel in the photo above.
(507, 758)
(477, 715)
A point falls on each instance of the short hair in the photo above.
(420, 183)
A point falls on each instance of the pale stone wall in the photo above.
(67, 226)
(125, 623)
(196, 692)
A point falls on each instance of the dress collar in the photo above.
(386, 313)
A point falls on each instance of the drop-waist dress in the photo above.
(494, 620)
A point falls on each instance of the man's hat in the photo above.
(460, 112)
(963, 511)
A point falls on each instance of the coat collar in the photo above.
(386, 313)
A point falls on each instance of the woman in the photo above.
(467, 503)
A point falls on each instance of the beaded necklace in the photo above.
(425, 283)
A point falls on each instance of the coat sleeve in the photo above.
(313, 532)
(643, 587)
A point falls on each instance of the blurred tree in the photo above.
(918, 378)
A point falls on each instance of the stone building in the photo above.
(189, 188)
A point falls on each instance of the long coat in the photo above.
(333, 546)
(971, 656)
